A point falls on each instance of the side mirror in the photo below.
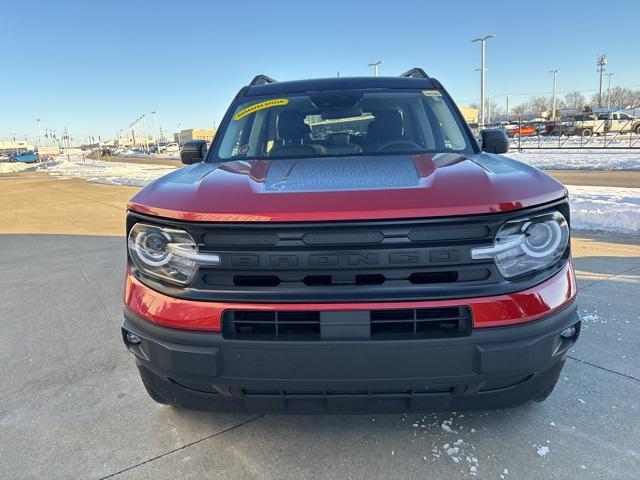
(495, 141)
(193, 151)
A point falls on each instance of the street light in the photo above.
(155, 132)
(144, 133)
(506, 109)
(482, 41)
(39, 132)
(375, 67)
(553, 101)
(179, 135)
(609, 92)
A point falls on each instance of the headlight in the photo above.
(527, 245)
(166, 254)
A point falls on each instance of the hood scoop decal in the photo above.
(341, 173)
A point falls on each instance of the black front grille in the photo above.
(349, 261)
(311, 325)
(296, 262)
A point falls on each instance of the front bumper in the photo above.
(492, 368)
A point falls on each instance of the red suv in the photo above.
(347, 245)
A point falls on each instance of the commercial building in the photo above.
(12, 146)
(194, 134)
(470, 115)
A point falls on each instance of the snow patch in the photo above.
(610, 209)
(579, 159)
(542, 451)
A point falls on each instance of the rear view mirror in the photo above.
(193, 151)
(495, 141)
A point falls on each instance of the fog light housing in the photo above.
(569, 332)
(132, 338)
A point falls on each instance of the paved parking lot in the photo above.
(72, 406)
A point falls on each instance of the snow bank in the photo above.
(609, 209)
(583, 159)
(8, 167)
(110, 173)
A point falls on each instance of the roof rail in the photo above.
(415, 73)
(262, 80)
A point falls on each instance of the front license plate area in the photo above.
(345, 325)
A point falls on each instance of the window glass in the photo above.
(343, 123)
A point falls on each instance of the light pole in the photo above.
(602, 63)
(609, 92)
(179, 135)
(553, 101)
(375, 66)
(482, 41)
(144, 133)
(506, 107)
(155, 132)
(39, 132)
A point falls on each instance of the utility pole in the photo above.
(609, 92)
(67, 143)
(602, 63)
(144, 133)
(39, 132)
(553, 101)
(482, 41)
(375, 66)
(155, 132)
(506, 108)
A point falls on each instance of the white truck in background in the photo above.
(619, 122)
(48, 152)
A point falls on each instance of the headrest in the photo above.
(386, 126)
(341, 139)
(291, 125)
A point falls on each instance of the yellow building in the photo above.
(469, 114)
(195, 134)
(11, 146)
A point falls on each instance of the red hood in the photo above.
(354, 188)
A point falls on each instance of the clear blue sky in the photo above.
(95, 66)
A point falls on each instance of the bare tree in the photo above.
(622, 97)
(574, 100)
(540, 104)
(493, 107)
(520, 109)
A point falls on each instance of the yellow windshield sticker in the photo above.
(431, 93)
(276, 102)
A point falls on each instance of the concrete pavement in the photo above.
(72, 405)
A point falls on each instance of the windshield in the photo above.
(343, 123)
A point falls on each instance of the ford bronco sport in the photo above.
(347, 245)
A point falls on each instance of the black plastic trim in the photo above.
(299, 293)
(491, 368)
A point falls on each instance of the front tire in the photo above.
(155, 396)
(587, 132)
(636, 129)
(543, 395)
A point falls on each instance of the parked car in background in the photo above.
(170, 148)
(522, 130)
(27, 157)
(586, 125)
(48, 152)
(618, 122)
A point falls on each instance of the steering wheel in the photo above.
(394, 143)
